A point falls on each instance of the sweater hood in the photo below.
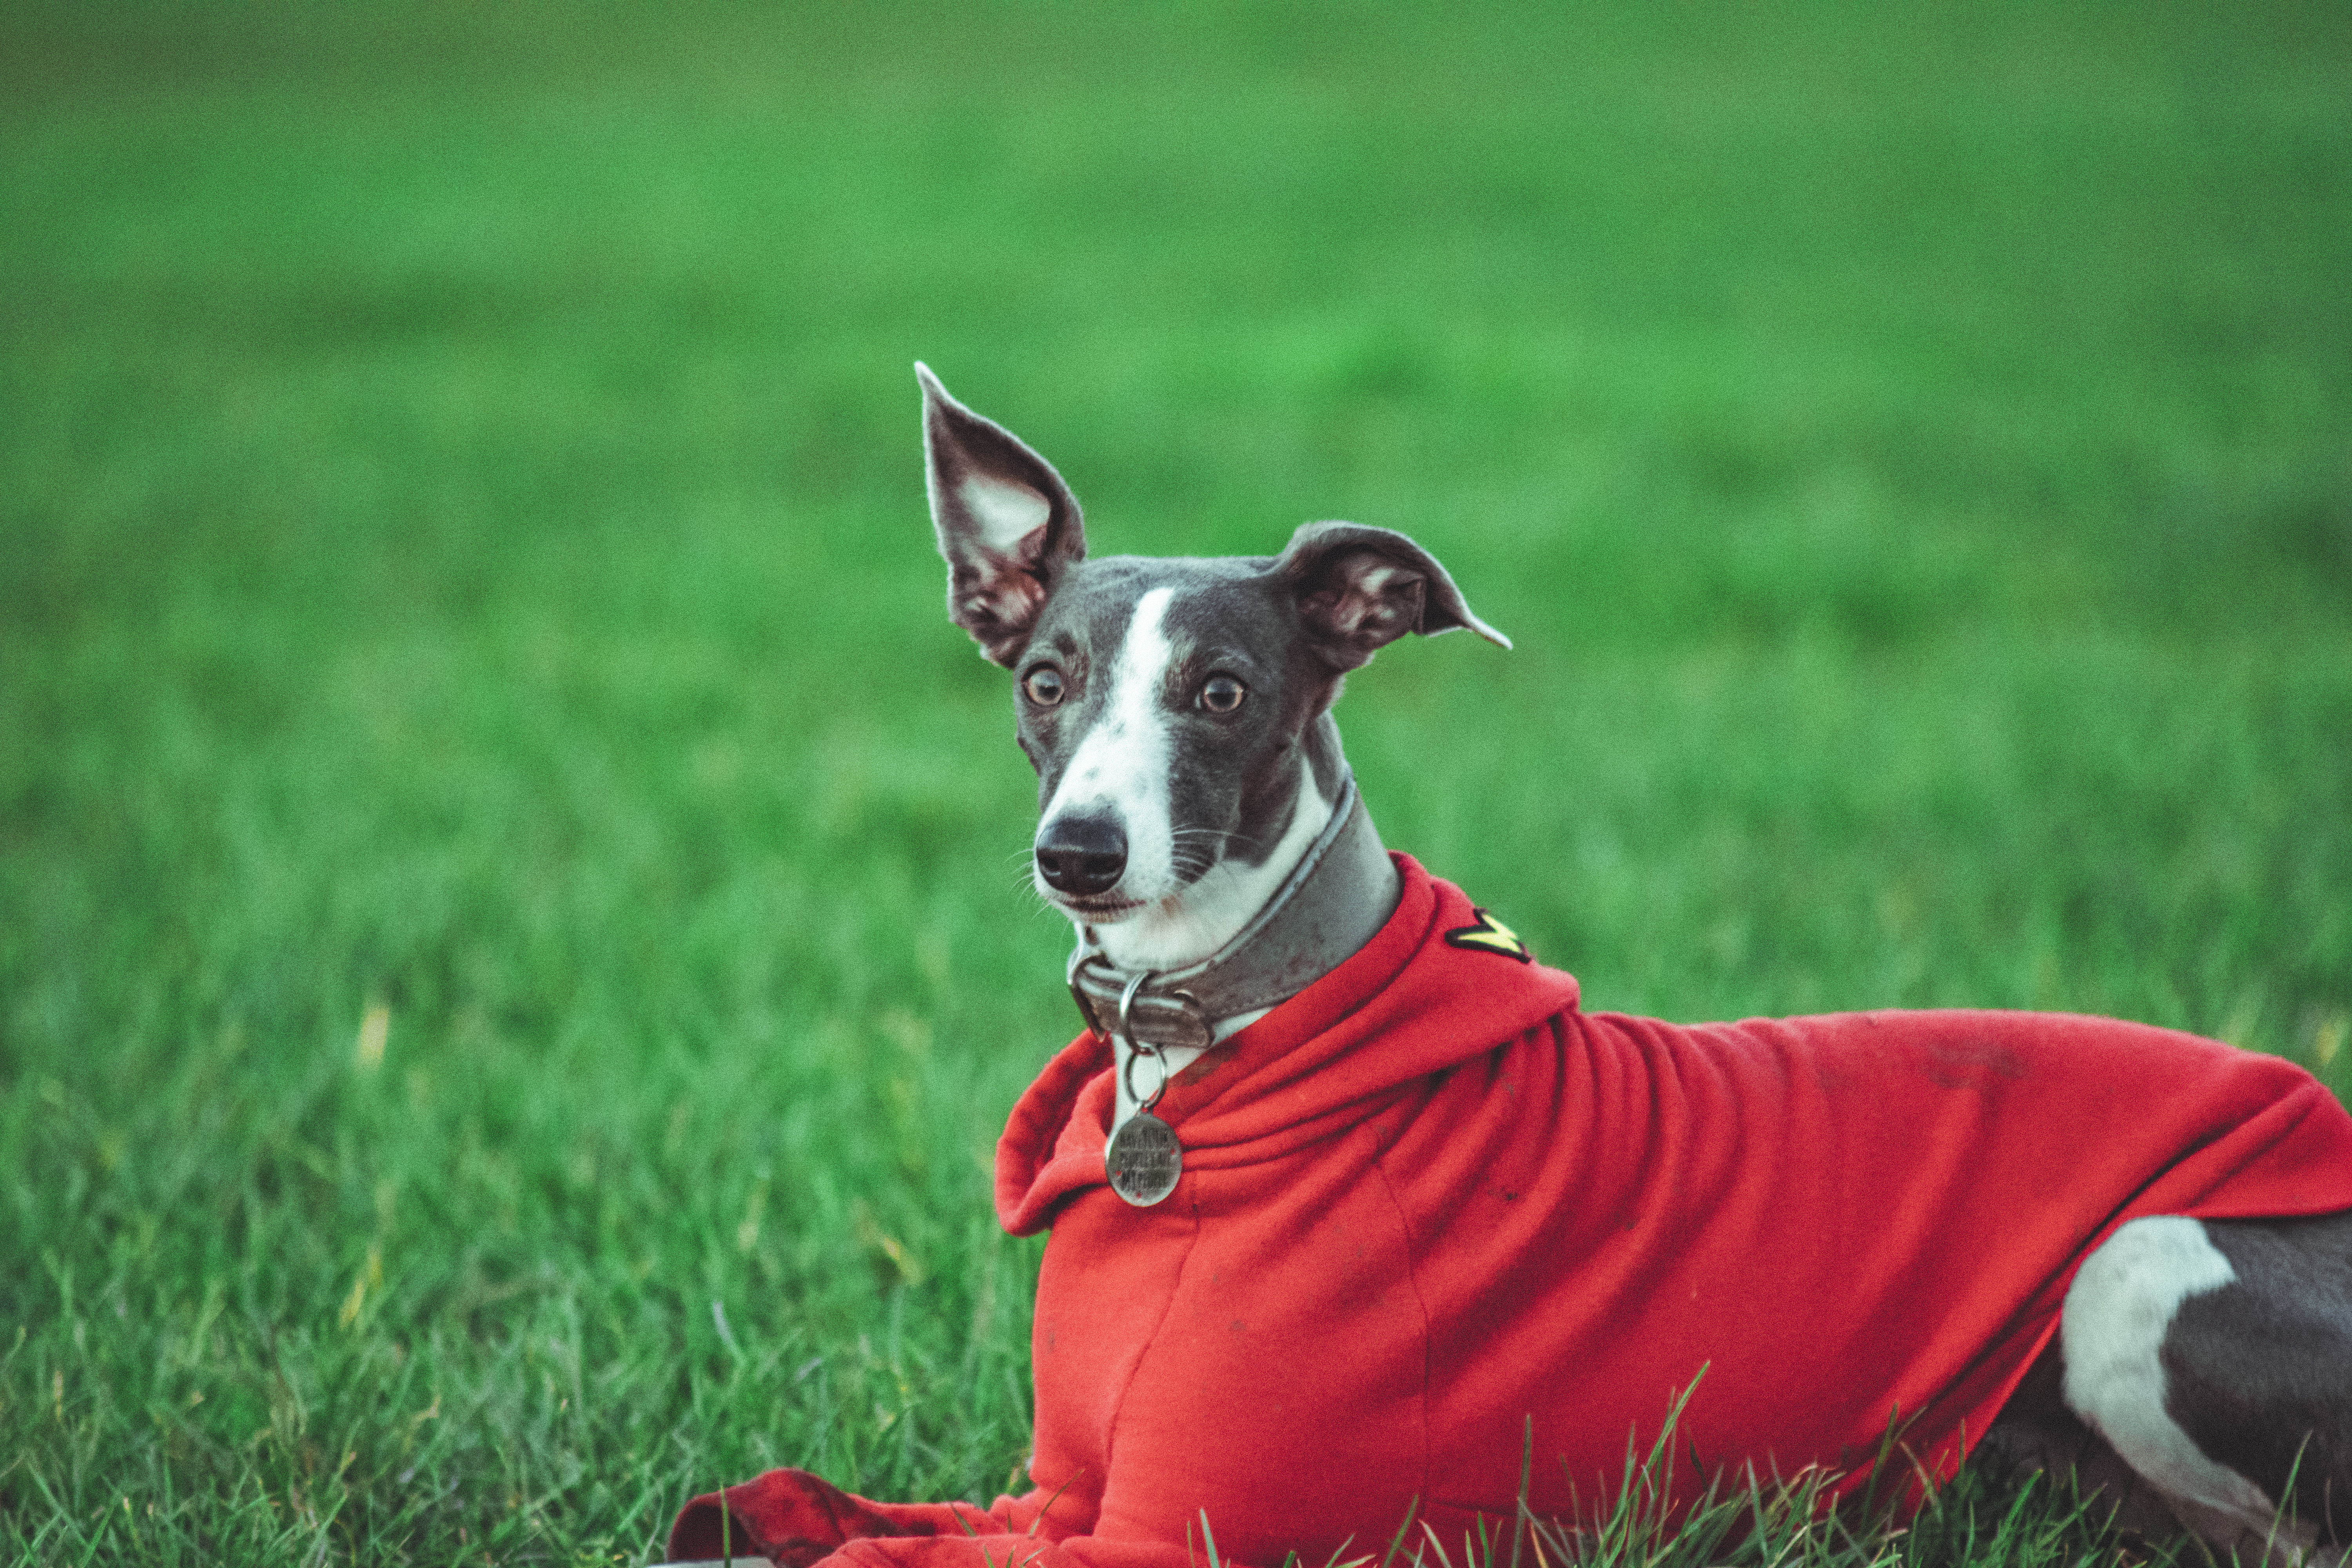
(1330, 1058)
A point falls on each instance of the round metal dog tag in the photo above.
(1144, 1160)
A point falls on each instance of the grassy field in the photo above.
(511, 951)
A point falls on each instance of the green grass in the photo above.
(462, 552)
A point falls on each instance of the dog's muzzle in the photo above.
(1342, 890)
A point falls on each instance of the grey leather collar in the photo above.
(1341, 892)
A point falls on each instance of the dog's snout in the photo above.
(1081, 855)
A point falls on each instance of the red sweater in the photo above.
(1429, 1198)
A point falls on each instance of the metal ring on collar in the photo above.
(1085, 955)
(1160, 1059)
(1078, 992)
(1110, 1001)
(1126, 1006)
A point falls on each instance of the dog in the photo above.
(1347, 1193)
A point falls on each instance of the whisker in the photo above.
(1211, 833)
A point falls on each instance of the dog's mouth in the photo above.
(1100, 908)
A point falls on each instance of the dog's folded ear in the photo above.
(1358, 589)
(1007, 524)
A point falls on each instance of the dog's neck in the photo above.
(1179, 931)
(1191, 977)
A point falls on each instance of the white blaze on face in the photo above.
(1120, 768)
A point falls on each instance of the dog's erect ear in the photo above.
(1358, 589)
(1007, 524)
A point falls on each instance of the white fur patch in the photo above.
(1121, 765)
(1007, 513)
(2117, 1314)
(1187, 927)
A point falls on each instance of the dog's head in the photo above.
(1174, 708)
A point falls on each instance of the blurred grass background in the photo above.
(463, 563)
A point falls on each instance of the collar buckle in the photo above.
(1126, 1006)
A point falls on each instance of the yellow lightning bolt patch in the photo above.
(1490, 935)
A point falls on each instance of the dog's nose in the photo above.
(1081, 855)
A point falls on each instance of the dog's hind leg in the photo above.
(2216, 1358)
(2262, 1369)
(2036, 1431)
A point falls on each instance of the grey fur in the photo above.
(1233, 616)
(2259, 1373)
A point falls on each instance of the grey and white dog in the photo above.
(1178, 713)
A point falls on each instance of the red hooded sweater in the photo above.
(1428, 1199)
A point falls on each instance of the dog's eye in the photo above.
(1222, 694)
(1044, 685)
